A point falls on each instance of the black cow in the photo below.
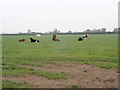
(33, 40)
(80, 39)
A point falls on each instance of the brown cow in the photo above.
(54, 38)
(21, 40)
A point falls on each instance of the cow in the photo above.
(21, 40)
(54, 38)
(33, 40)
(80, 39)
(85, 36)
(38, 35)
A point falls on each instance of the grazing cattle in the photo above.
(33, 40)
(21, 40)
(80, 39)
(38, 35)
(54, 38)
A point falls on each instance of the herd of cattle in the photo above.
(54, 38)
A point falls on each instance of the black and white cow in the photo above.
(33, 40)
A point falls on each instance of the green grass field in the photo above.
(98, 50)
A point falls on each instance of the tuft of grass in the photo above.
(13, 70)
(75, 86)
(98, 78)
(12, 84)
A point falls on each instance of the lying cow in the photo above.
(54, 38)
(86, 36)
(80, 39)
(38, 35)
(33, 40)
(21, 40)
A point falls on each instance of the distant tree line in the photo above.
(88, 31)
(103, 31)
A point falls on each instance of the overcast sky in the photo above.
(64, 15)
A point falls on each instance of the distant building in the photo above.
(56, 31)
(115, 30)
(29, 32)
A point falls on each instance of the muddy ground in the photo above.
(81, 76)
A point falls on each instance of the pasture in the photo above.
(59, 62)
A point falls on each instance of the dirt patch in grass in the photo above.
(83, 76)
